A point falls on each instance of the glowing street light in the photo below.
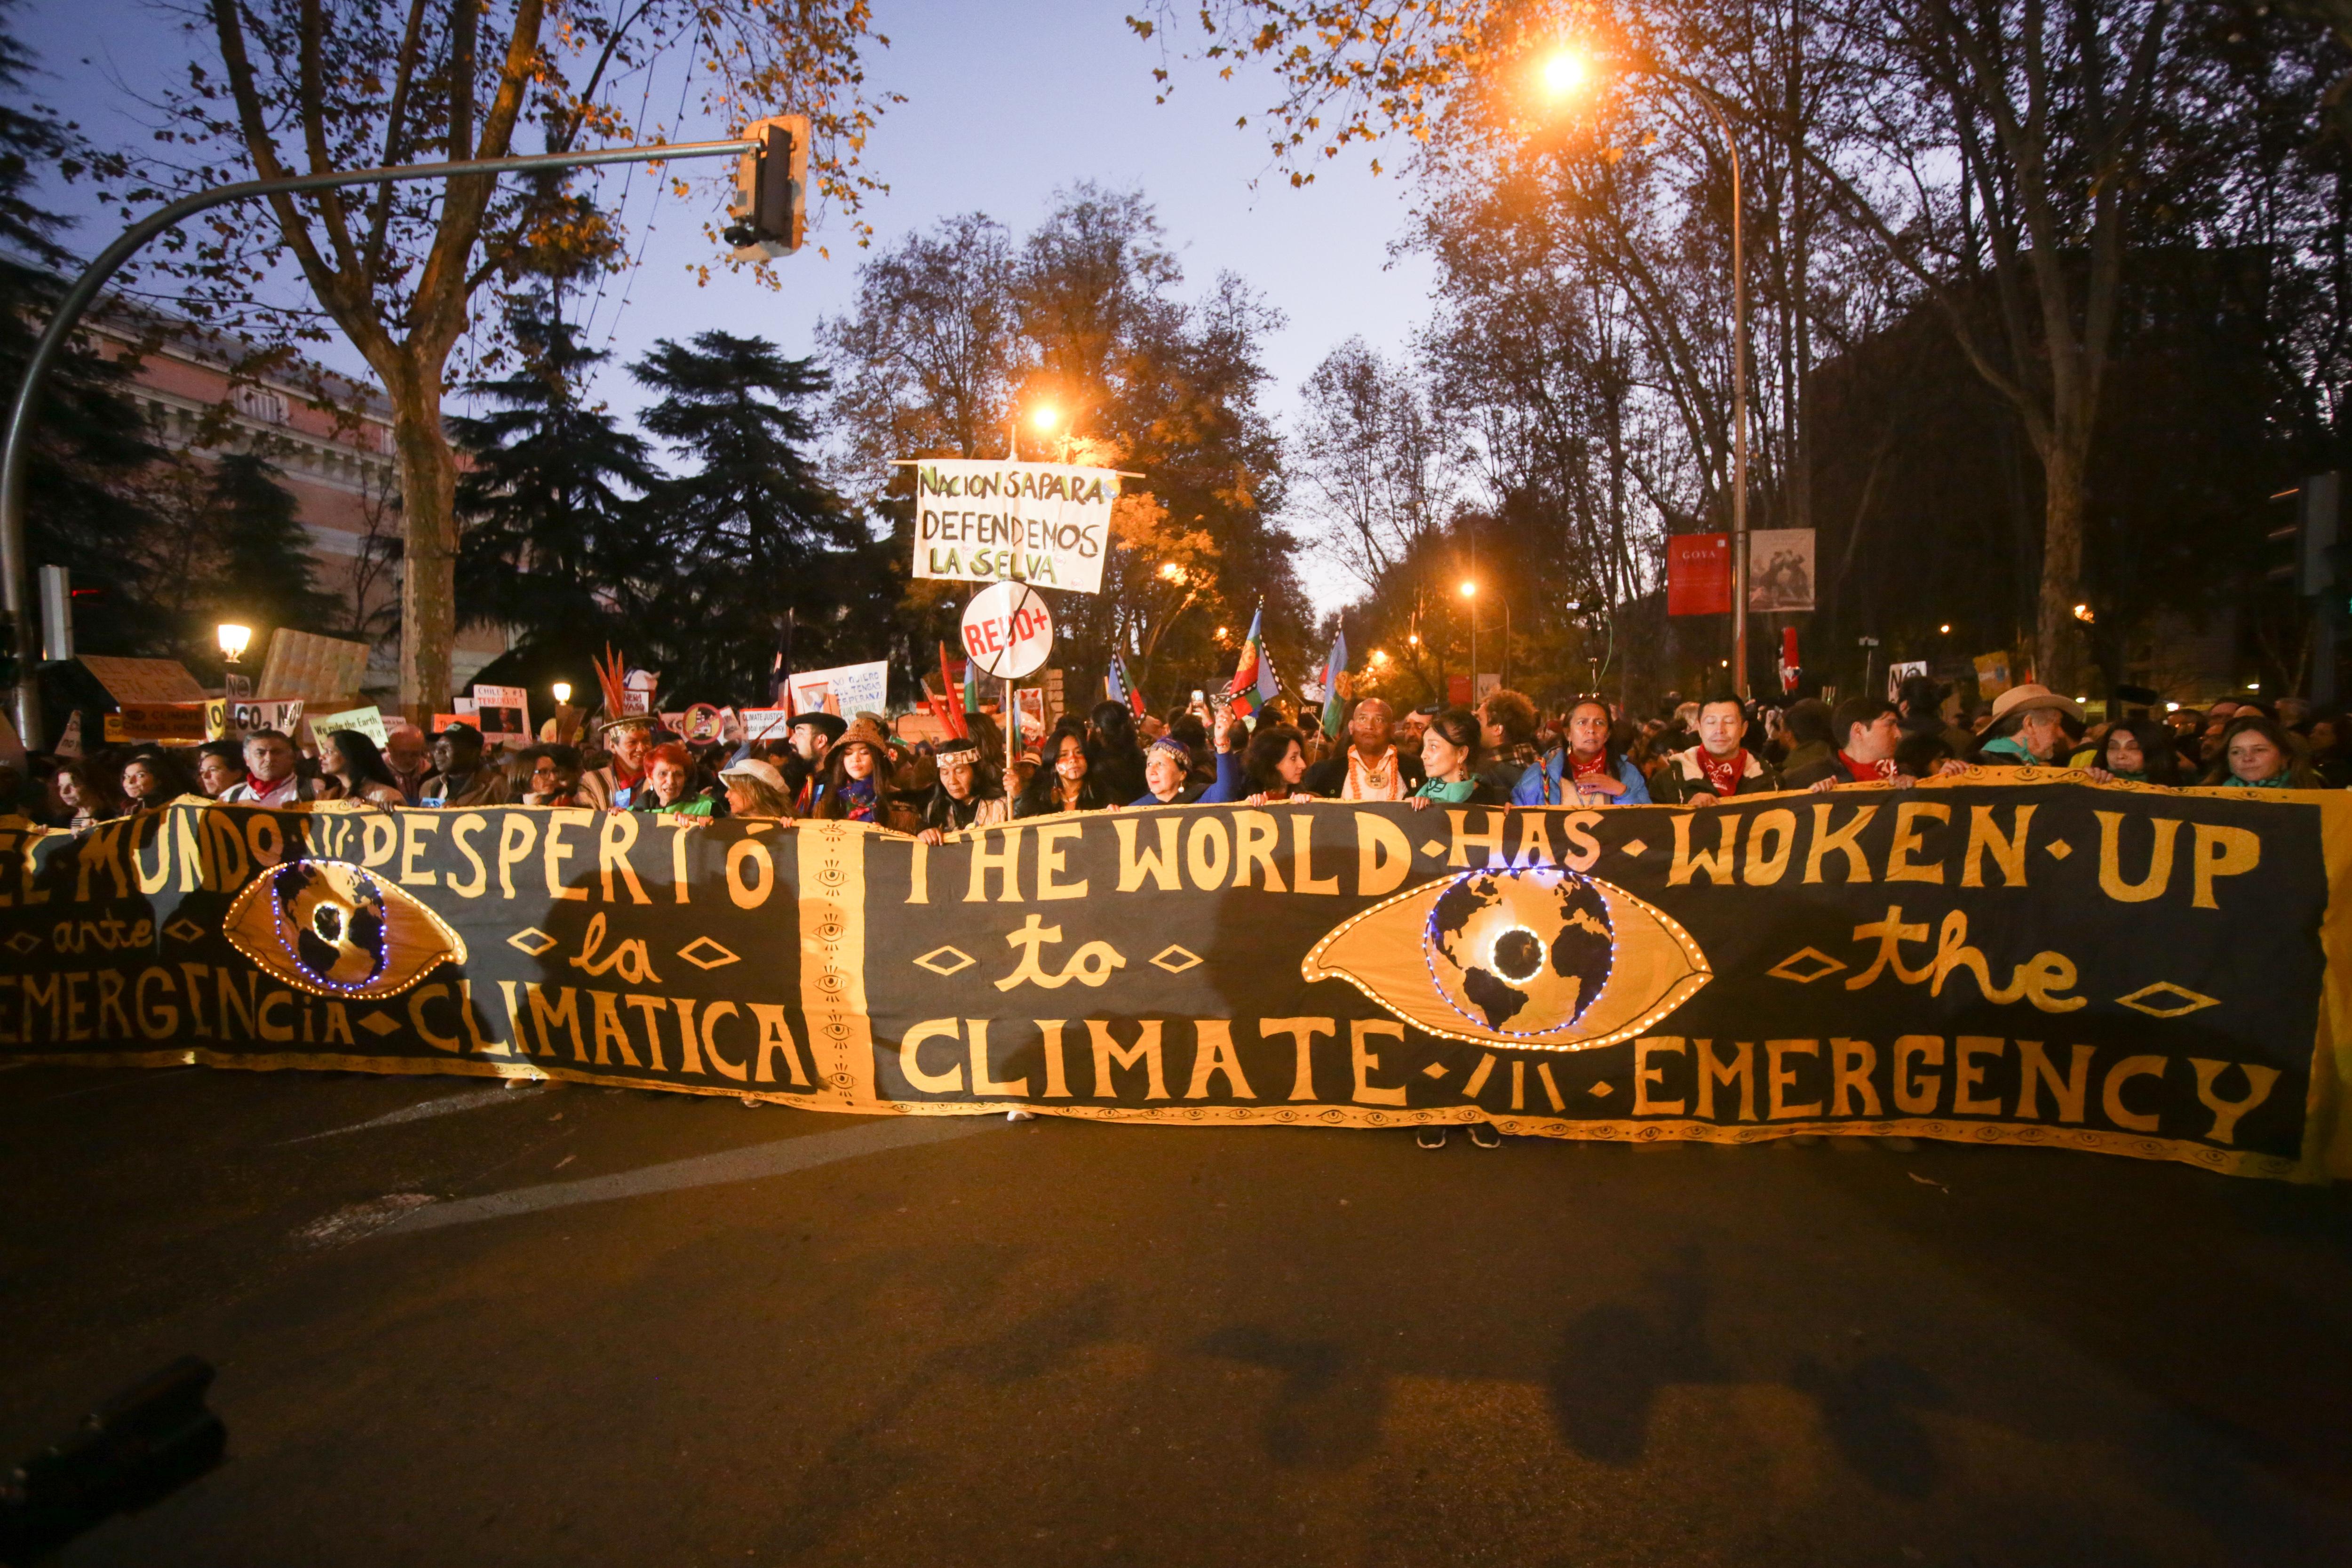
(1380, 655)
(1469, 590)
(233, 640)
(1045, 416)
(562, 692)
(1946, 628)
(2083, 614)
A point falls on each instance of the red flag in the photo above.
(949, 709)
(1788, 658)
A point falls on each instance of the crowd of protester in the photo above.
(1505, 752)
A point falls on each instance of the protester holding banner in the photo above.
(220, 767)
(856, 784)
(1274, 767)
(2027, 728)
(153, 779)
(1450, 754)
(411, 761)
(1864, 734)
(1168, 774)
(967, 792)
(2138, 750)
(272, 774)
(2255, 754)
(1113, 752)
(355, 770)
(668, 787)
(550, 776)
(1720, 766)
(1374, 766)
(1065, 781)
(812, 735)
(1592, 769)
(1507, 722)
(629, 736)
(755, 788)
(459, 777)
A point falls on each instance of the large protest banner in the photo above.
(2138, 972)
(979, 521)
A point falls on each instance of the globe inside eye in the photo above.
(1519, 953)
(326, 919)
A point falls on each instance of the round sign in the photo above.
(703, 723)
(1007, 631)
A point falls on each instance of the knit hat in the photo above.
(1173, 747)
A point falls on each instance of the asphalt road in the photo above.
(458, 1323)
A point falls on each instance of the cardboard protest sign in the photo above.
(981, 522)
(846, 689)
(156, 721)
(315, 668)
(368, 721)
(766, 724)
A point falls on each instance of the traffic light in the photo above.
(771, 205)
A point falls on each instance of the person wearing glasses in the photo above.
(553, 777)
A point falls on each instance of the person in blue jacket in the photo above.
(1589, 770)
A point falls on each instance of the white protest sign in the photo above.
(844, 689)
(1897, 674)
(980, 521)
(285, 715)
(368, 721)
(765, 723)
(505, 714)
(1007, 631)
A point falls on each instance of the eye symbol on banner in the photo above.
(1538, 957)
(329, 928)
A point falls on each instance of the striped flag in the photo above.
(1252, 683)
(1335, 679)
(1120, 688)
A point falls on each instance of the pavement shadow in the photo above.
(1868, 1413)
(1045, 1340)
(1327, 1412)
(1615, 1357)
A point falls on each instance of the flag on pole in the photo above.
(970, 688)
(951, 710)
(1335, 676)
(1789, 664)
(1120, 687)
(1253, 682)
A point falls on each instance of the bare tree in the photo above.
(1370, 461)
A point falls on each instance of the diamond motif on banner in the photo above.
(2059, 849)
(1434, 1069)
(1599, 1091)
(183, 929)
(380, 1023)
(1175, 959)
(1432, 848)
(704, 954)
(530, 942)
(946, 960)
(1805, 965)
(23, 942)
(1634, 847)
(2188, 1001)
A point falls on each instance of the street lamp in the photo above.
(1045, 416)
(562, 692)
(1469, 598)
(1563, 73)
(234, 640)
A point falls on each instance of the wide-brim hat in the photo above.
(753, 768)
(830, 724)
(623, 721)
(2027, 698)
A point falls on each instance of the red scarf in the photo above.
(1867, 772)
(1723, 773)
(1581, 769)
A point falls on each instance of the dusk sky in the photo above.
(1005, 103)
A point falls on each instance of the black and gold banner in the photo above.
(2033, 960)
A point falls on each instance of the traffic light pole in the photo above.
(16, 595)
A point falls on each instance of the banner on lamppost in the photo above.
(1043, 523)
(1698, 574)
(1780, 569)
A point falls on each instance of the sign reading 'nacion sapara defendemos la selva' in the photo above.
(2111, 968)
(1045, 523)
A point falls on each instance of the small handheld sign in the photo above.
(1007, 633)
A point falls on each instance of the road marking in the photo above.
(446, 1105)
(761, 1160)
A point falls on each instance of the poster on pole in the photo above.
(844, 689)
(1780, 569)
(368, 721)
(1698, 574)
(1007, 630)
(981, 522)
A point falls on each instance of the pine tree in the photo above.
(753, 531)
(90, 447)
(551, 544)
(258, 552)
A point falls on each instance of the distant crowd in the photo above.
(1505, 751)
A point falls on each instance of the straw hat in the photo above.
(2027, 698)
